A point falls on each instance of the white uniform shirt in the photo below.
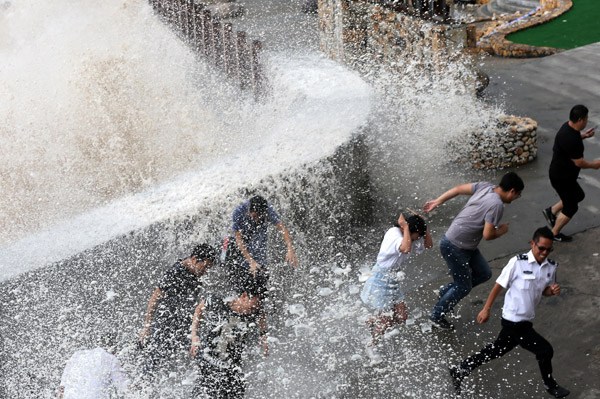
(91, 373)
(525, 280)
(390, 258)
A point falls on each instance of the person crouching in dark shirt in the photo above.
(171, 306)
(221, 329)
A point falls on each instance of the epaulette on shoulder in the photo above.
(522, 257)
(552, 261)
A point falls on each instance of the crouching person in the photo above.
(170, 309)
(221, 328)
(382, 291)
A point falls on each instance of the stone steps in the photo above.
(498, 7)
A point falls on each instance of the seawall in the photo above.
(66, 286)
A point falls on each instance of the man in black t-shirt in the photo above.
(171, 306)
(567, 161)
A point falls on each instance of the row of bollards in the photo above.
(229, 50)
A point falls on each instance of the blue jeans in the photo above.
(468, 269)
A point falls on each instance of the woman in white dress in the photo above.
(382, 290)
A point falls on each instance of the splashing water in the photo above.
(120, 148)
(128, 107)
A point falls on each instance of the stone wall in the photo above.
(366, 36)
(512, 142)
(358, 32)
(200, 25)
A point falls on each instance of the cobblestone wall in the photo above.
(512, 142)
(356, 32)
(362, 34)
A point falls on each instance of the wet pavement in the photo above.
(415, 360)
(545, 89)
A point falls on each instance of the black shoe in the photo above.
(558, 391)
(457, 374)
(550, 217)
(560, 237)
(441, 323)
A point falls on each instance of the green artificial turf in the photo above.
(575, 28)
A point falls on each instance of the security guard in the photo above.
(527, 277)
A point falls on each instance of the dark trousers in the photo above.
(218, 383)
(511, 335)
(570, 193)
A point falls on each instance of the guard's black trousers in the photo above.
(511, 335)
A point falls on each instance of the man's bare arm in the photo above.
(463, 189)
(585, 164)
(152, 305)
(241, 244)
(484, 314)
(491, 232)
(290, 256)
(195, 323)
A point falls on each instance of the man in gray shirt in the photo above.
(480, 218)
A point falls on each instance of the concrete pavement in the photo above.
(546, 89)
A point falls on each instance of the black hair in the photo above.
(512, 181)
(416, 224)
(578, 112)
(259, 205)
(204, 252)
(543, 232)
(252, 285)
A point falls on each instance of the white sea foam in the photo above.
(113, 137)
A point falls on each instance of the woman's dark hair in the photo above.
(416, 224)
